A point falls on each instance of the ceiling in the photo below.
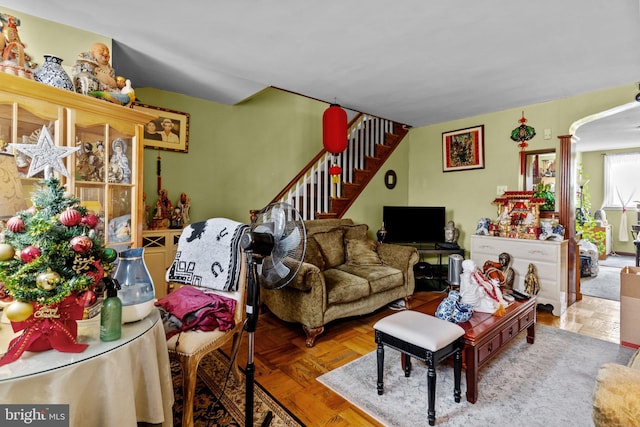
(418, 62)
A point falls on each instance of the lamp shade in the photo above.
(334, 129)
(11, 195)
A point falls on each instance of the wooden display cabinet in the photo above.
(160, 248)
(106, 173)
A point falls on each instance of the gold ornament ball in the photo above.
(19, 311)
(47, 281)
(6, 252)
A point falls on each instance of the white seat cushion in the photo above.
(420, 329)
(192, 341)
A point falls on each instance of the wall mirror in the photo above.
(540, 167)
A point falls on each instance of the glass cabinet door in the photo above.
(20, 125)
(106, 170)
(104, 180)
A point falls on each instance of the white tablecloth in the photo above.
(110, 384)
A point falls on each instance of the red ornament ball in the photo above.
(81, 244)
(90, 220)
(70, 217)
(15, 224)
(30, 253)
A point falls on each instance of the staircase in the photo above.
(371, 141)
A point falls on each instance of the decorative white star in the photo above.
(45, 155)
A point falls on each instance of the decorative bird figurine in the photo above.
(126, 96)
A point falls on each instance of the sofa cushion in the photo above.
(343, 287)
(380, 277)
(313, 255)
(358, 231)
(361, 252)
(332, 247)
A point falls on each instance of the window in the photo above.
(621, 179)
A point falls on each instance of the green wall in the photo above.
(241, 156)
(468, 194)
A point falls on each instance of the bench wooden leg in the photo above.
(380, 355)
(431, 384)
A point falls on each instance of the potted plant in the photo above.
(543, 191)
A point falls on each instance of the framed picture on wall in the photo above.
(169, 131)
(463, 149)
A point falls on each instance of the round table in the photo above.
(117, 383)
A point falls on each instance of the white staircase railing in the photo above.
(312, 192)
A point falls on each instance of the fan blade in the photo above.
(279, 219)
(290, 242)
(272, 275)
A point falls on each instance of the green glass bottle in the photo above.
(111, 312)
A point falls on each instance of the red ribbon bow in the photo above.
(48, 327)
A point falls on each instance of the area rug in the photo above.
(229, 410)
(605, 285)
(548, 383)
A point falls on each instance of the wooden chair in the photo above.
(189, 347)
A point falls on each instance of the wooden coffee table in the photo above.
(486, 335)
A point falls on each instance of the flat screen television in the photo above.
(414, 224)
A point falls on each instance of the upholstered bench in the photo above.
(426, 338)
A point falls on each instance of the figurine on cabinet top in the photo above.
(92, 71)
(12, 48)
(184, 204)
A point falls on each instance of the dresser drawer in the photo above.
(526, 319)
(509, 332)
(487, 350)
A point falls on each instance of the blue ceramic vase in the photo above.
(52, 74)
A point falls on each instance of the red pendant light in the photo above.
(334, 129)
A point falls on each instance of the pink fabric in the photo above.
(198, 310)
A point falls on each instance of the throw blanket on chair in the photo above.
(208, 255)
(190, 308)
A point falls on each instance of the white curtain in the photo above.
(620, 178)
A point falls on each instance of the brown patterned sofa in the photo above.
(344, 274)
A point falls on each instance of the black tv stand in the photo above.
(439, 275)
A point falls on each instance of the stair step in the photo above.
(372, 163)
(383, 151)
(339, 204)
(360, 176)
(351, 190)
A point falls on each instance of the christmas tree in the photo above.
(51, 251)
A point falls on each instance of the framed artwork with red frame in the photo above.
(463, 149)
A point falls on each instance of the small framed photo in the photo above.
(169, 131)
(463, 149)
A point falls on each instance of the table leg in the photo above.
(471, 373)
(531, 333)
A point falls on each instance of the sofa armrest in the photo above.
(616, 398)
(308, 275)
(398, 256)
(403, 258)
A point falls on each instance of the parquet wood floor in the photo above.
(287, 369)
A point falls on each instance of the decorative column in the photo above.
(567, 210)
